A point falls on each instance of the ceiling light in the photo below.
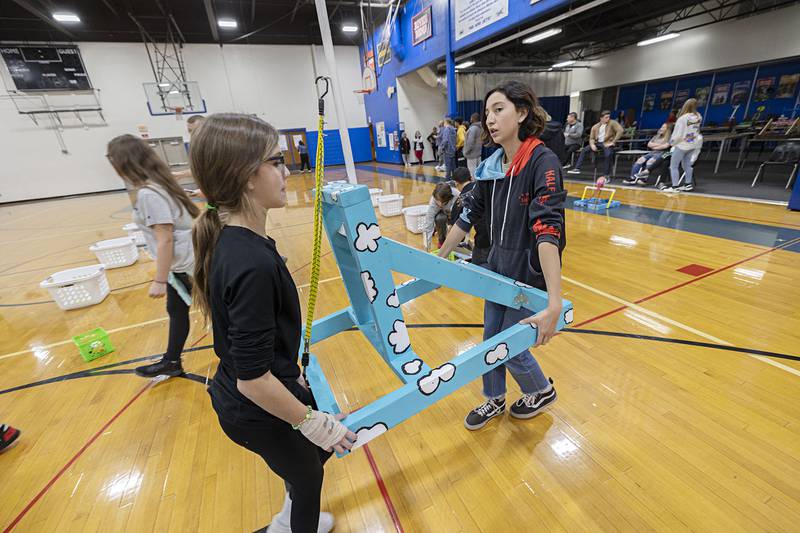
(164, 84)
(174, 92)
(654, 40)
(66, 17)
(349, 28)
(564, 63)
(465, 64)
(227, 23)
(541, 36)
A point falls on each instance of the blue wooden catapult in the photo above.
(366, 261)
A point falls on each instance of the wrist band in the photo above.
(306, 419)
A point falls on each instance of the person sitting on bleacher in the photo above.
(605, 135)
(658, 145)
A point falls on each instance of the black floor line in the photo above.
(104, 370)
(685, 342)
(25, 304)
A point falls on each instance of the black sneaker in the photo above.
(630, 181)
(163, 367)
(480, 416)
(531, 405)
(7, 436)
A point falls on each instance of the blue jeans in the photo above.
(681, 156)
(648, 161)
(449, 165)
(523, 367)
(608, 156)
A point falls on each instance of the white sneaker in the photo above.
(281, 522)
(574, 171)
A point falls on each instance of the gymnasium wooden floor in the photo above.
(679, 393)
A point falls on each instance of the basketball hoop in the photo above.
(178, 113)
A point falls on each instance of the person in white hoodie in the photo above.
(686, 140)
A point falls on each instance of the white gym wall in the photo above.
(420, 107)
(274, 82)
(772, 35)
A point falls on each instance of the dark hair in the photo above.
(476, 117)
(195, 118)
(443, 193)
(524, 99)
(604, 113)
(140, 166)
(461, 175)
(224, 154)
(459, 120)
(572, 114)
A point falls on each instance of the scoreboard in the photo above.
(46, 68)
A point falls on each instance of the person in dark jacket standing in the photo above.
(553, 138)
(448, 147)
(405, 149)
(520, 194)
(262, 401)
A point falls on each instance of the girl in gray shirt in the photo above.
(164, 212)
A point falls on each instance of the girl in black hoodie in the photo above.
(519, 193)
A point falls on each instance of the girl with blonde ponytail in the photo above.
(164, 212)
(243, 286)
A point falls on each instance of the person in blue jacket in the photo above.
(519, 192)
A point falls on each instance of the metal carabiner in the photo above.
(321, 101)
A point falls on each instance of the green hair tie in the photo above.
(211, 207)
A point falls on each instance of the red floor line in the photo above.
(384, 491)
(75, 457)
(683, 284)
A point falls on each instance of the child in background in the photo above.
(164, 213)
(465, 184)
(440, 206)
(419, 147)
(405, 149)
(433, 138)
(658, 145)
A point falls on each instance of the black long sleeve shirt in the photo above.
(255, 312)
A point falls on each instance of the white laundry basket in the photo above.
(415, 218)
(374, 194)
(78, 287)
(135, 233)
(390, 205)
(116, 253)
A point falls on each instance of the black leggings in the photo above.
(304, 163)
(293, 458)
(178, 313)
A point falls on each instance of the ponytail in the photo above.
(205, 234)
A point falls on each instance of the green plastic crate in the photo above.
(93, 344)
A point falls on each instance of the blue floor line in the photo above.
(734, 230)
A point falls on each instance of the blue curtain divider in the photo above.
(359, 143)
